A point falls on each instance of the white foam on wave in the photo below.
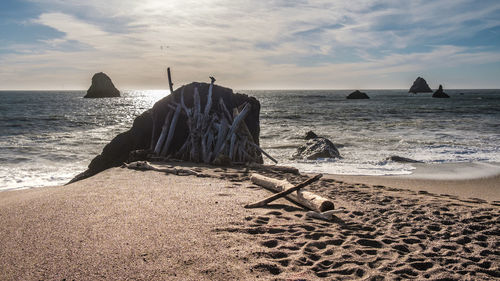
(343, 167)
(455, 171)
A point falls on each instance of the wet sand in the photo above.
(126, 224)
(469, 180)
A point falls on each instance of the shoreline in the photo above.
(465, 180)
(463, 174)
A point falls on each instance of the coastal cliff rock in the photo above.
(140, 136)
(357, 95)
(316, 147)
(439, 93)
(102, 87)
(420, 86)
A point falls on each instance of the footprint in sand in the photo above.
(270, 243)
(369, 243)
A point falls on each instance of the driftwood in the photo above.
(326, 216)
(284, 192)
(170, 84)
(275, 168)
(146, 166)
(164, 132)
(215, 135)
(263, 152)
(304, 198)
(171, 131)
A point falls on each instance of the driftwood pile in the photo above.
(215, 134)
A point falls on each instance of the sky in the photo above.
(269, 44)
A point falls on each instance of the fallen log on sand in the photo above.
(284, 193)
(303, 198)
(146, 166)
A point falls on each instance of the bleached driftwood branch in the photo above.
(304, 198)
(171, 131)
(164, 132)
(145, 166)
(284, 193)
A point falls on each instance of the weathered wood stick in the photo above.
(231, 147)
(187, 110)
(236, 122)
(326, 216)
(234, 126)
(284, 192)
(221, 136)
(208, 105)
(164, 131)
(303, 198)
(246, 131)
(145, 166)
(204, 150)
(197, 106)
(173, 106)
(263, 152)
(153, 133)
(170, 84)
(171, 131)
(210, 144)
(225, 111)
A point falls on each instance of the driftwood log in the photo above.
(284, 193)
(306, 199)
(146, 166)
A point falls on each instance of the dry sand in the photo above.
(124, 224)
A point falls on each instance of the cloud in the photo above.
(252, 44)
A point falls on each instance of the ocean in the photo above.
(47, 137)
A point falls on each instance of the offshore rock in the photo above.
(315, 148)
(439, 93)
(400, 159)
(102, 87)
(420, 86)
(131, 145)
(357, 95)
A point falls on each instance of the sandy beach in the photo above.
(124, 224)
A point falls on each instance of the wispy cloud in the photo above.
(255, 44)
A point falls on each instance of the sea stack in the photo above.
(440, 94)
(420, 86)
(356, 95)
(102, 87)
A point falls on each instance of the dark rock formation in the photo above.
(310, 135)
(400, 159)
(439, 93)
(124, 146)
(357, 95)
(102, 87)
(316, 147)
(420, 86)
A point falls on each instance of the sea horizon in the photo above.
(246, 89)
